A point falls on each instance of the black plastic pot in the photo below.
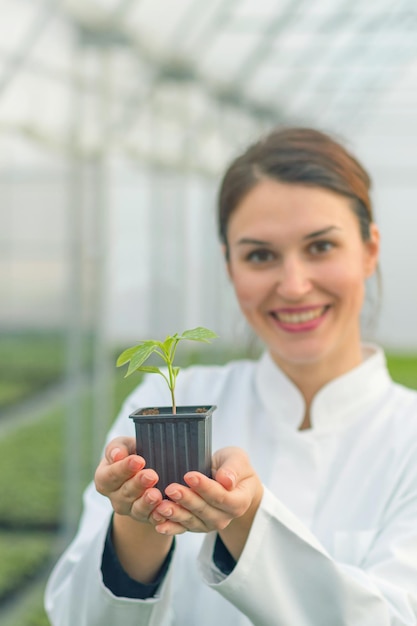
(173, 445)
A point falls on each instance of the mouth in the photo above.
(299, 317)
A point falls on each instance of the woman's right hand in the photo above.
(131, 490)
(122, 478)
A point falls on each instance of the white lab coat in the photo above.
(334, 542)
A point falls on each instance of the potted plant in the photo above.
(172, 439)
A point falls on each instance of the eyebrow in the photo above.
(255, 242)
(320, 233)
(260, 242)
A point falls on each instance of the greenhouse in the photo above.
(117, 121)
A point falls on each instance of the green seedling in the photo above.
(138, 355)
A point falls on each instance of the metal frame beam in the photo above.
(16, 61)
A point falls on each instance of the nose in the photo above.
(294, 280)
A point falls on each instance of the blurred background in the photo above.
(117, 119)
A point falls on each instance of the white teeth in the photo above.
(299, 318)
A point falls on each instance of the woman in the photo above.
(310, 519)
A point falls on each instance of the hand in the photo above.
(122, 478)
(207, 504)
(130, 488)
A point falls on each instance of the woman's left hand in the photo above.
(233, 495)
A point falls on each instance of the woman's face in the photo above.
(298, 265)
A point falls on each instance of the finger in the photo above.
(226, 477)
(142, 508)
(223, 503)
(211, 493)
(198, 512)
(231, 466)
(109, 478)
(234, 471)
(136, 486)
(168, 511)
(137, 497)
(120, 448)
(170, 528)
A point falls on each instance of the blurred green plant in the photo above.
(21, 556)
(32, 472)
(403, 368)
(30, 610)
(32, 360)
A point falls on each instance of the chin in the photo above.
(303, 356)
(300, 360)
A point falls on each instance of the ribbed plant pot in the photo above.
(173, 445)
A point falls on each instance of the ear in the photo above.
(227, 261)
(372, 250)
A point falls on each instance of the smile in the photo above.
(299, 317)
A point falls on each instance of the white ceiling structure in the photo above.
(143, 77)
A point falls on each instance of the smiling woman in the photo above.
(298, 264)
(309, 518)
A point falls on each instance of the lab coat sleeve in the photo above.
(285, 576)
(75, 592)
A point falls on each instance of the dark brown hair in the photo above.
(298, 156)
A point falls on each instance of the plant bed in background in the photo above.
(31, 361)
(32, 473)
(12, 391)
(30, 613)
(403, 368)
(22, 556)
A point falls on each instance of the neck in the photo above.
(312, 376)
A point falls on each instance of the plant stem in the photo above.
(168, 358)
(171, 386)
(172, 376)
(174, 408)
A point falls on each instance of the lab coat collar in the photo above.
(338, 402)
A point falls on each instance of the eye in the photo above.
(261, 255)
(321, 247)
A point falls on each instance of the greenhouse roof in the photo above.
(145, 78)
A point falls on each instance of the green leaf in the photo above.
(169, 341)
(126, 356)
(199, 334)
(151, 369)
(137, 355)
(142, 353)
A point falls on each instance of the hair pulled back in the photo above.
(303, 156)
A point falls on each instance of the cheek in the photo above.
(347, 281)
(244, 294)
(249, 290)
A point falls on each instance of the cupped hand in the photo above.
(122, 478)
(208, 504)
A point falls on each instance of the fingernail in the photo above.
(174, 495)
(150, 498)
(168, 512)
(114, 453)
(146, 481)
(231, 477)
(134, 465)
(192, 481)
